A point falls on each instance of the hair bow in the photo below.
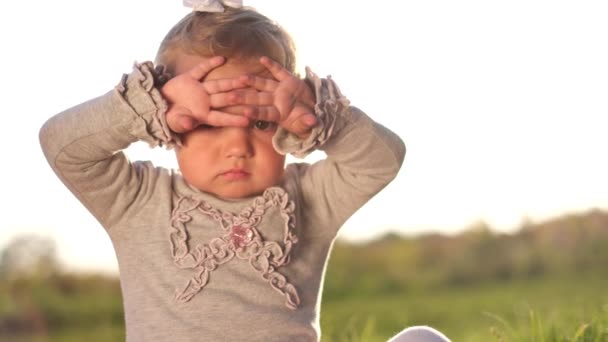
(212, 5)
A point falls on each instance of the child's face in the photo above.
(229, 162)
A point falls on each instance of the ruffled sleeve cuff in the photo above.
(139, 90)
(332, 111)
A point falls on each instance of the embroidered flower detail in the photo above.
(240, 236)
(241, 240)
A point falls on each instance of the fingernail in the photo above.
(310, 120)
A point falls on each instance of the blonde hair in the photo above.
(235, 33)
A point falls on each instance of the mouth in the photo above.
(235, 174)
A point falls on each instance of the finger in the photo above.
(179, 119)
(187, 123)
(240, 97)
(275, 68)
(202, 69)
(303, 125)
(237, 110)
(250, 97)
(218, 118)
(221, 100)
(260, 83)
(265, 113)
(181, 123)
(218, 86)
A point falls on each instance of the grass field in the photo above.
(544, 309)
(546, 283)
(547, 309)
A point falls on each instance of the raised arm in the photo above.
(84, 144)
(362, 158)
(362, 155)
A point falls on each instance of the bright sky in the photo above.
(502, 104)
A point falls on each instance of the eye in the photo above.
(263, 125)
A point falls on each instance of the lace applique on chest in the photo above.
(241, 242)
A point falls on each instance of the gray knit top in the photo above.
(194, 267)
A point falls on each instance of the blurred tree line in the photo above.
(38, 297)
(567, 245)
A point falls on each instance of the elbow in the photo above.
(400, 152)
(384, 175)
(44, 136)
(49, 138)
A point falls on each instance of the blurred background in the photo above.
(495, 229)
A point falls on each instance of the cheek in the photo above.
(276, 165)
(264, 146)
(279, 162)
(192, 160)
(197, 137)
(185, 162)
(198, 144)
(273, 162)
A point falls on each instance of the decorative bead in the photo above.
(240, 236)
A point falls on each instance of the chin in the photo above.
(237, 194)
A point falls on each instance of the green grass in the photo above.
(555, 309)
(546, 283)
(543, 310)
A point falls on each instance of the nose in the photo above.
(237, 142)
